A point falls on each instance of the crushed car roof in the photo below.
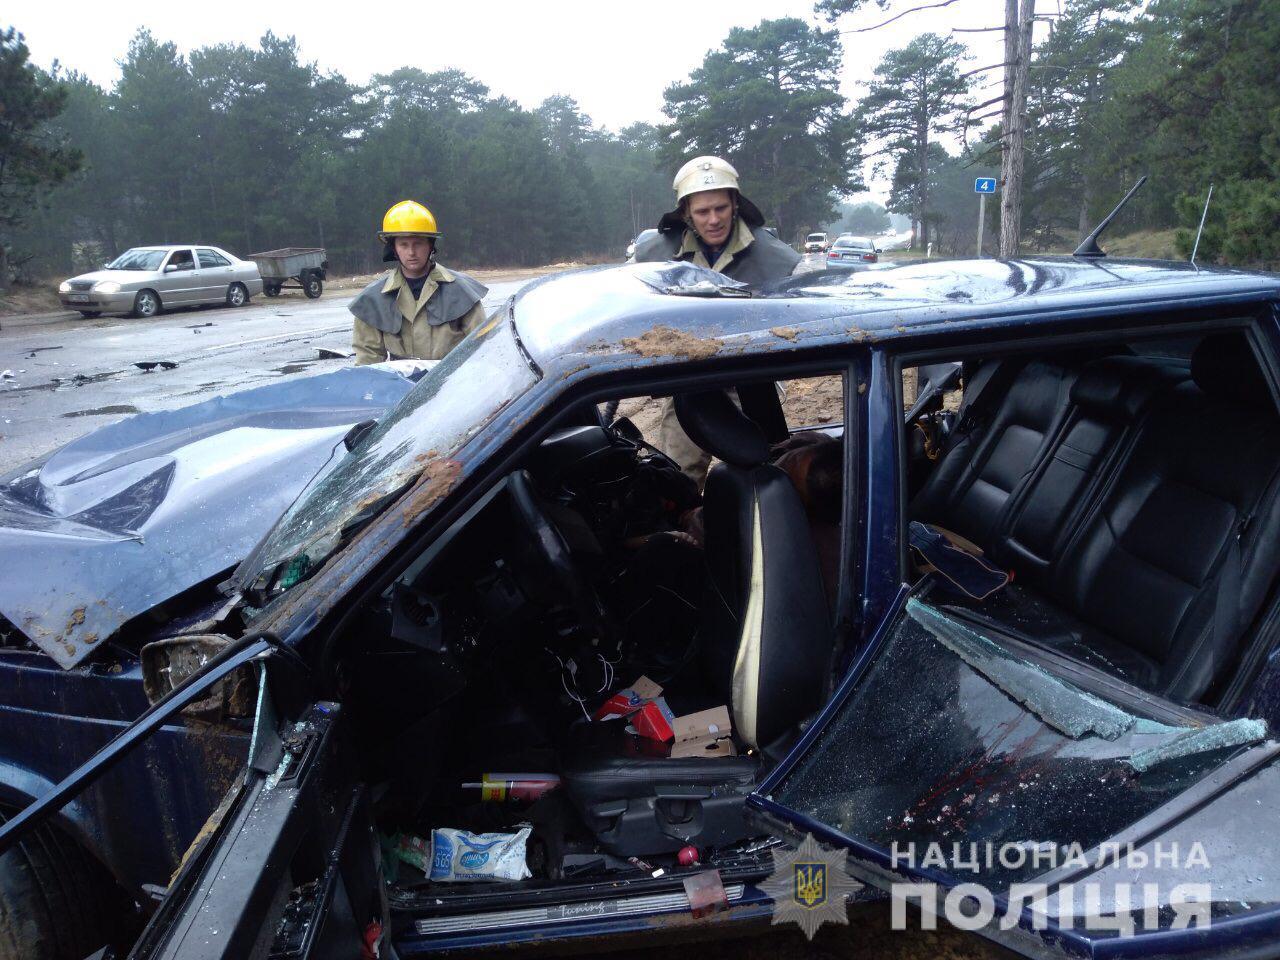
(608, 310)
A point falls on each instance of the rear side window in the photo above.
(211, 258)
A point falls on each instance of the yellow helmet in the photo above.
(408, 218)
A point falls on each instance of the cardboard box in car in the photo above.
(707, 733)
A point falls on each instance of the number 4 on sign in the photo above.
(983, 186)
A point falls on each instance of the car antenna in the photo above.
(1200, 230)
(1089, 246)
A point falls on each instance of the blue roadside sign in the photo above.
(984, 185)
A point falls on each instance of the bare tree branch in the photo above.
(899, 16)
(994, 66)
(985, 103)
(976, 29)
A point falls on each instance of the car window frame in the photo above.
(214, 253)
(1170, 322)
(168, 261)
(556, 411)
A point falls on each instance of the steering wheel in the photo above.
(566, 582)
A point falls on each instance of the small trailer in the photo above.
(308, 266)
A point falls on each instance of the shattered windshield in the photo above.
(443, 411)
(952, 737)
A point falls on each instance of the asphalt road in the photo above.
(61, 378)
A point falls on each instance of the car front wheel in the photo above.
(59, 903)
(237, 295)
(146, 304)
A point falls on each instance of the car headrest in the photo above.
(1121, 386)
(715, 423)
(1224, 366)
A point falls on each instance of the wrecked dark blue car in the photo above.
(980, 592)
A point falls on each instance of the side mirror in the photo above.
(356, 433)
(624, 427)
(170, 268)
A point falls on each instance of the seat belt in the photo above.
(977, 389)
(973, 392)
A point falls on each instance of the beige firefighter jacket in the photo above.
(390, 324)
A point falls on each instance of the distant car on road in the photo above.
(641, 237)
(849, 253)
(815, 243)
(142, 281)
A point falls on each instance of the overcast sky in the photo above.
(615, 59)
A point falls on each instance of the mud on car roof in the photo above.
(602, 312)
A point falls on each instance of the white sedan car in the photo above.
(144, 280)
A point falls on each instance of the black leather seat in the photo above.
(969, 491)
(1142, 522)
(767, 645)
(1108, 400)
(1176, 558)
(765, 632)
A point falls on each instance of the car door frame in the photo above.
(227, 897)
(215, 281)
(297, 834)
(179, 286)
(886, 556)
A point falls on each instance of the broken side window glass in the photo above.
(952, 737)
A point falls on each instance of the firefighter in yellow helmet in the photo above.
(419, 308)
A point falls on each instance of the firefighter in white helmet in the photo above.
(715, 226)
(419, 308)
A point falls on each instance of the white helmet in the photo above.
(704, 173)
(708, 173)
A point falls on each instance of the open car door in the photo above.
(1038, 802)
(288, 867)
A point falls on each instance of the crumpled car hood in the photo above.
(131, 515)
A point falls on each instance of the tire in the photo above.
(56, 900)
(271, 289)
(146, 304)
(312, 286)
(237, 295)
(90, 314)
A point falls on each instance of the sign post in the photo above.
(983, 186)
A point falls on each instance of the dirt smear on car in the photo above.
(437, 480)
(664, 341)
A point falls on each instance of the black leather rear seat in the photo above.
(970, 490)
(1145, 529)
(1109, 399)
